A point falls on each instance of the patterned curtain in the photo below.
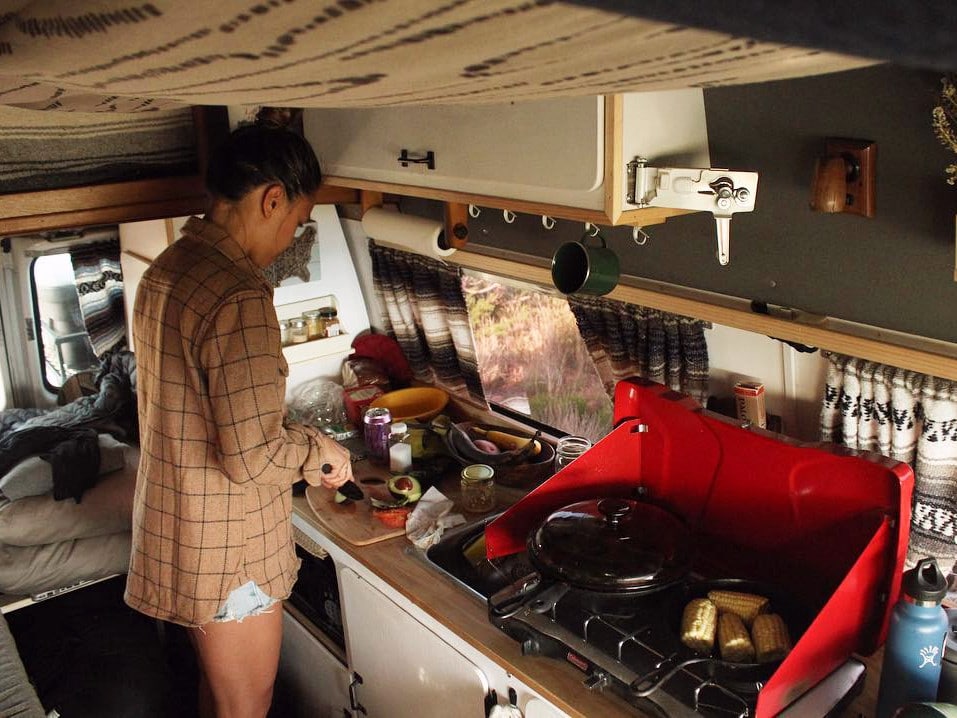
(425, 309)
(626, 340)
(99, 285)
(910, 417)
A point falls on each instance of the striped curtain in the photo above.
(625, 340)
(912, 418)
(99, 286)
(425, 311)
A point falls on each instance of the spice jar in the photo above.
(377, 430)
(284, 332)
(478, 488)
(298, 333)
(315, 326)
(330, 317)
(400, 448)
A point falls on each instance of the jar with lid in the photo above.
(400, 448)
(315, 326)
(377, 428)
(285, 332)
(298, 332)
(478, 488)
(330, 317)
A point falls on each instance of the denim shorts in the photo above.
(247, 600)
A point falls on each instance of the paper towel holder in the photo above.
(456, 225)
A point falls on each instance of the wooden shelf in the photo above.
(927, 356)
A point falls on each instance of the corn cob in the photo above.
(745, 605)
(698, 624)
(770, 636)
(733, 639)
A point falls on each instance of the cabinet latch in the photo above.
(405, 159)
(354, 703)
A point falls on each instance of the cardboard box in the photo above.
(749, 403)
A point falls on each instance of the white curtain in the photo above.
(910, 417)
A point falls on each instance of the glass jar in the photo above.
(330, 316)
(315, 326)
(298, 332)
(377, 425)
(568, 449)
(478, 488)
(284, 332)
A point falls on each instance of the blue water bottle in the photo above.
(915, 640)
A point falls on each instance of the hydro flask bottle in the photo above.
(915, 640)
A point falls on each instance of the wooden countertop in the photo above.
(400, 565)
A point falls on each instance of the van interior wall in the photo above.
(895, 270)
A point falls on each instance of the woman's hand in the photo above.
(336, 468)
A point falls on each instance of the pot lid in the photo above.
(612, 544)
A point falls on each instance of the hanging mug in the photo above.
(580, 269)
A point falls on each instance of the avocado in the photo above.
(405, 487)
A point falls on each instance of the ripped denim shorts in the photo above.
(247, 600)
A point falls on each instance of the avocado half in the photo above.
(406, 487)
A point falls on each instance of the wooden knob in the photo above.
(829, 189)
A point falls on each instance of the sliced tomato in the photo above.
(393, 518)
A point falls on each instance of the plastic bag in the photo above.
(318, 403)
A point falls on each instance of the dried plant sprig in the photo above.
(944, 121)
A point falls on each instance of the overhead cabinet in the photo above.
(564, 157)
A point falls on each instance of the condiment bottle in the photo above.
(314, 324)
(377, 424)
(330, 317)
(298, 333)
(915, 640)
(400, 448)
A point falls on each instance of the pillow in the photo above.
(27, 570)
(106, 508)
(34, 476)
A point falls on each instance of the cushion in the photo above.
(28, 570)
(104, 509)
(34, 476)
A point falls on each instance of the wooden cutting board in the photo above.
(353, 521)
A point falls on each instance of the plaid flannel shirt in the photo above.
(213, 502)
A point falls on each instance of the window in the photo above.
(64, 345)
(532, 359)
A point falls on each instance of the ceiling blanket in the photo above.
(130, 56)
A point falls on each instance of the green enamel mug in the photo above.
(578, 268)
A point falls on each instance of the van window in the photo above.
(531, 358)
(63, 344)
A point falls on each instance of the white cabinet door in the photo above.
(312, 682)
(407, 671)
(543, 150)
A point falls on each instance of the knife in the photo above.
(349, 490)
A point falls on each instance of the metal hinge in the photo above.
(28, 328)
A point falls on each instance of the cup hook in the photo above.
(639, 236)
(591, 230)
(474, 211)
(547, 222)
(508, 215)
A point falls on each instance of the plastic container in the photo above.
(478, 488)
(377, 425)
(915, 640)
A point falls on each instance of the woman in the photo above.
(212, 546)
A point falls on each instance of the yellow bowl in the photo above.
(420, 403)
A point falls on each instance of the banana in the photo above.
(504, 440)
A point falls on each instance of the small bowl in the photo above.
(419, 403)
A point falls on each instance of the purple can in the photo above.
(378, 428)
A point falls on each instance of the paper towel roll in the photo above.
(406, 232)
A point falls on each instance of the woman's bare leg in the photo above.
(238, 663)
